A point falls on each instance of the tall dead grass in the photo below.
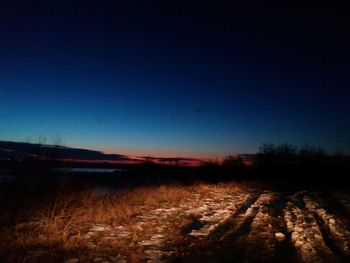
(61, 222)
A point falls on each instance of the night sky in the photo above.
(172, 78)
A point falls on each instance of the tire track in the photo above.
(244, 220)
(226, 242)
(305, 232)
(334, 230)
(213, 213)
(261, 235)
(276, 227)
(269, 234)
(237, 221)
(267, 240)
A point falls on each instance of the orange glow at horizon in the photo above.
(161, 154)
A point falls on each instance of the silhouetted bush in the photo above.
(271, 155)
(310, 156)
(307, 164)
(277, 155)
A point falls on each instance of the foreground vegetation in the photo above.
(246, 221)
(55, 220)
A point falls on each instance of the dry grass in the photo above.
(60, 223)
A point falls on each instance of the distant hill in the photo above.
(27, 151)
(22, 150)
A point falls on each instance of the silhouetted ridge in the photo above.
(15, 150)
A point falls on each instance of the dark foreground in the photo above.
(225, 222)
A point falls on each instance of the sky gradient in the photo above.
(191, 79)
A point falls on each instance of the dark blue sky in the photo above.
(192, 78)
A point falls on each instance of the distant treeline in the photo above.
(272, 163)
(286, 154)
(285, 162)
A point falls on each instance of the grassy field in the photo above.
(54, 220)
(246, 221)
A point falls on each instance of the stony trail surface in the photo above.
(225, 226)
(156, 239)
(278, 227)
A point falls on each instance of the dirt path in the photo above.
(226, 225)
(276, 227)
(156, 235)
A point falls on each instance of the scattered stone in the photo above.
(299, 229)
(158, 236)
(123, 234)
(146, 243)
(249, 211)
(280, 236)
(99, 228)
(201, 232)
(331, 221)
(89, 234)
(299, 243)
(295, 236)
(72, 260)
(317, 236)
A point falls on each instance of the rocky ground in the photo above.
(226, 225)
